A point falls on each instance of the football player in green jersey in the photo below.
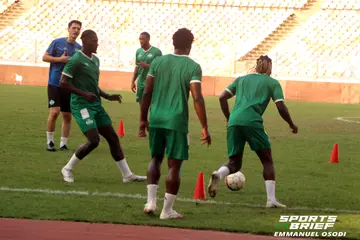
(81, 77)
(144, 57)
(169, 81)
(245, 124)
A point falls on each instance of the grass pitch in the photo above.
(306, 182)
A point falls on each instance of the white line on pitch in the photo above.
(346, 120)
(139, 196)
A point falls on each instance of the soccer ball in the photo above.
(235, 181)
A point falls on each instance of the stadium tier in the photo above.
(4, 4)
(328, 46)
(325, 45)
(341, 4)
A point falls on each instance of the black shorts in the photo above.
(59, 97)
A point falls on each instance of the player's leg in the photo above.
(106, 130)
(66, 115)
(85, 118)
(93, 140)
(139, 92)
(177, 150)
(235, 145)
(260, 143)
(157, 140)
(54, 106)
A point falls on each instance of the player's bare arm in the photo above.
(223, 99)
(146, 101)
(64, 83)
(199, 105)
(284, 113)
(50, 59)
(110, 97)
(136, 73)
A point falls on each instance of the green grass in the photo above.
(304, 176)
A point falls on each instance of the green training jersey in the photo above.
(169, 106)
(253, 93)
(84, 75)
(145, 56)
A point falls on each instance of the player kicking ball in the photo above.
(81, 77)
(169, 81)
(245, 124)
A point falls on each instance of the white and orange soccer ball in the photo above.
(235, 181)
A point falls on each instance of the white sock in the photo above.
(151, 192)
(270, 190)
(72, 162)
(63, 141)
(223, 171)
(124, 168)
(50, 137)
(169, 202)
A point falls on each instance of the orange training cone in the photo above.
(199, 192)
(121, 130)
(335, 154)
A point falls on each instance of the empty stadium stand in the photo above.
(5, 4)
(315, 38)
(326, 46)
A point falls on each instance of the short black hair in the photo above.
(183, 38)
(87, 33)
(76, 22)
(145, 34)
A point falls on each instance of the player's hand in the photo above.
(294, 128)
(144, 125)
(133, 87)
(115, 97)
(90, 96)
(63, 58)
(205, 137)
(143, 64)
